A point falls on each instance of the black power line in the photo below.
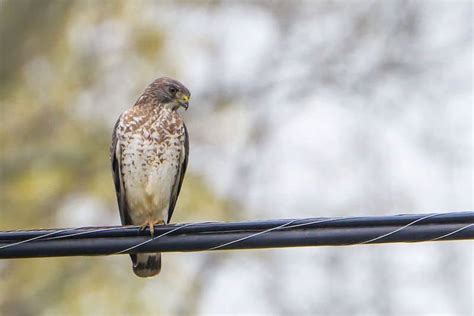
(244, 235)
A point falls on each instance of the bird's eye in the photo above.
(173, 90)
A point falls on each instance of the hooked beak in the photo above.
(184, 102)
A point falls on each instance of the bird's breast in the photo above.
(151, 157)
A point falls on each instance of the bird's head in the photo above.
(169, 93)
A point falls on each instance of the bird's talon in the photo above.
(151, 226)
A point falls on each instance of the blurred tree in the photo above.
(50, 151)
(304, 108)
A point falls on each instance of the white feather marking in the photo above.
(150, 172)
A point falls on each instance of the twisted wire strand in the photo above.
(35, 238)
(220, 231)
(452, 233)
(398, 229)
(152, 239)
(251, 236)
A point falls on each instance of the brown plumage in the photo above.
(149, 155)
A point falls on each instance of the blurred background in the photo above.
(298, 109)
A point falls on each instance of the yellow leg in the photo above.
(151, 225)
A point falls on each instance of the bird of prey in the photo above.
(149, 155)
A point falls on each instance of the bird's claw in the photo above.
(151, 226)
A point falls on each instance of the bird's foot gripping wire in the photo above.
(151, 224)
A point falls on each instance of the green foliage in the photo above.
(49, 152)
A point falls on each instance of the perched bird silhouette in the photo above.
(149, 155)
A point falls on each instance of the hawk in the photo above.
(149, 155)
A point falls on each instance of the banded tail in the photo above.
(146, 264)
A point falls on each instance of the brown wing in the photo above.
(180, 176)
(115, 158)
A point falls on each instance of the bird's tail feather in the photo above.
(146, 264)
